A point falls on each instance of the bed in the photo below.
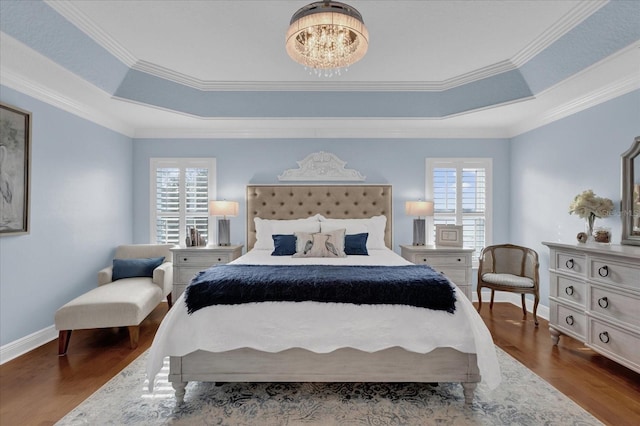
(323, 342)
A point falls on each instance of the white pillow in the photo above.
(374, 226)
(265, 228)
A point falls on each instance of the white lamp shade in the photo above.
(419, 208)
(223, 208)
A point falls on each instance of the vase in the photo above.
(588, 228)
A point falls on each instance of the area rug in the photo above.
(523, 398)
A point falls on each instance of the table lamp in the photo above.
(225, 209)
(419, 208)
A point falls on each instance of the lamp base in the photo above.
(418, 232)
(224, 232)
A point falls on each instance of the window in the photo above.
(461, 192)
(180, 192)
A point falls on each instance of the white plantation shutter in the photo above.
(180, 194)
(460, 189)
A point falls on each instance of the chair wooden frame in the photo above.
(487, 264)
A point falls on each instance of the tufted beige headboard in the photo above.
(333, 201)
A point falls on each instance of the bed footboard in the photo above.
(342, 365)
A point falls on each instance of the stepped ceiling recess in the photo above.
(220, 68)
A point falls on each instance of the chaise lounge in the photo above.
(139, 279)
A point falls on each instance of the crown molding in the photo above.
(565, 24)
(322, 85)
(72, 14)
(604, 94)
(37, 91)
(378, 128)
(617, 87)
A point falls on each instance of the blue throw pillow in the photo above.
(130, 268)
(285, 245)
(356, 244)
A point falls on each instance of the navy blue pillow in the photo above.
(356, 244)
(284, 245)
(130, 268)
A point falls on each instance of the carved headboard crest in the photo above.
(321, 166)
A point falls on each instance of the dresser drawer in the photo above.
(614, 342)
(184, 275)
(458, 276)
(568, 320)
(571, 263)
(201, 259)
(616, 305)
(438, 261)
(619, 274)
(568, 289)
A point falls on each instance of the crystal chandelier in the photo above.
(327, 36)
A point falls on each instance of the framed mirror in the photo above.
(630, 206)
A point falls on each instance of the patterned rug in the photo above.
(522, 398)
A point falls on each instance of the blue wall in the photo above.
(552, 164)
(400, 163)
(81, 203)
(90, 191)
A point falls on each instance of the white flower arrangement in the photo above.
(589, 206)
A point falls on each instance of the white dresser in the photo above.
(594, 297)
(453, 262)
(188, 261)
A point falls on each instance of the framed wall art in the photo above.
(449, 235)
(15, 169)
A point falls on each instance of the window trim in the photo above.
(459, 163)
(182, 163)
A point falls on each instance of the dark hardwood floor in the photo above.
(39, 388)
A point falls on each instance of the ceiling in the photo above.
(433, 68)
(236, 41)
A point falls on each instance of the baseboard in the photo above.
(28, 343)
(514, 299)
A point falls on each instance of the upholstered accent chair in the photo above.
(508, 267)
(139, 279)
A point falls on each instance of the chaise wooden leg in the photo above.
(169, 302)
(134, 334)
(479, 298)
(64, 336)
(535, 311)
(491, 303)
(524, 307)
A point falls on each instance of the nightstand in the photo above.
(453, 262)
(188, 261)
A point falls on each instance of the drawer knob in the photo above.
(459, 260)
(603, 271)
(604, 337)
(569, 290)
(184, 260)
(603, 302)
(569, 263)
(219, 259)
(570, 320)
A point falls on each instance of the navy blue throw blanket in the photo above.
(413, 285)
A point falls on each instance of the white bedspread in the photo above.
(323, 327)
